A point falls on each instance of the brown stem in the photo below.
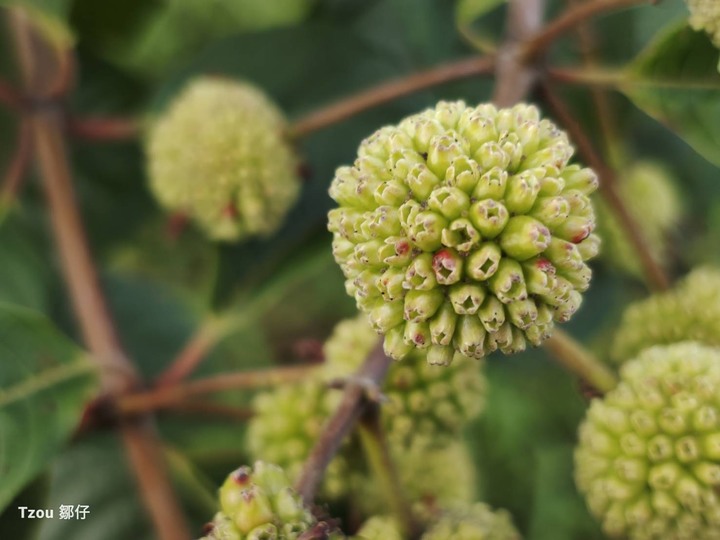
(17, 169)
(578, 360)
(41, 72)
(389, 91)
(164, 396)
(341, 424)
(104, 128)
(194, 351)
(570, 19)
(654, 274)
(207, 408)
(515, 77)
(10, 97)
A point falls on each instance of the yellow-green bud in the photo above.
(473, 522)
(651, 197)
(705, 15)
(648, 460)
(690, 311)
(380, 528)
(218, 156)
(221, 528)
(260, 503)
(464, 199)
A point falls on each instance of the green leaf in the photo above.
(676, 81)
(468, 11)
(45, 380)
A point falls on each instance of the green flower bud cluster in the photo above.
(465, 229)
(258, 503)
(425, 402)
(467, 522)
(431, 478)
(651, 198)
(705, 15)
(648, 460)
(688, 312)
(219, 156)
(286, 424)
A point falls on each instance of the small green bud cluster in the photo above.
(648, 460)
(651, 198)
(431, 478)
(424, 401)
(465, 229)
(688, 312)
(705, 15)
(258, 503)
(286, 424)
(467, 522)
(219, 156)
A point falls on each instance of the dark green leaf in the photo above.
(44, 382)
(676, 81)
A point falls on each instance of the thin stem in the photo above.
(373, 97)
(206, 408)
(104, 128)
(374, 442)
(341, 424)
(515, 77)
(654, 275)
(617, 78)
(117, 373)
(18, 167)
(578, 360)
(192, 354)
(166, 396)
(570, 19)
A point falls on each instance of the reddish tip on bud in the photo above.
(230, 211)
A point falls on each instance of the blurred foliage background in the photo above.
(133, 56)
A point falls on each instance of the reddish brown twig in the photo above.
(389, 91)
(104, 128)
(164, 396)
(46, 123)
(570, 19)
(654, 274)
(341, 424)
(16, 171)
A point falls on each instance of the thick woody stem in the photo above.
(45, 72)
(654, 275)
(351, 407)
(355, 104)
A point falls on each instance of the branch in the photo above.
(570, 19)
(341, 424)
(514, 76)
(117, 373)
(654, 274)
(17, 169)
(350, 106)
(104, 128)
(165, 396)
(578, 360)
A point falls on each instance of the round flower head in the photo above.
(380, 528)
(287, 422)
(219, 156)
(688, 312)
(465, 229)
(648, 460)
(260, 503)
(424, 402)
(475, 522)
(651, 198)
(705, 15)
